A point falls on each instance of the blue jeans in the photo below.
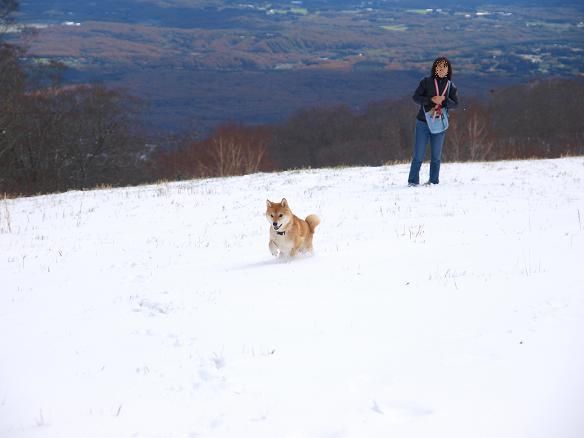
(423, 136)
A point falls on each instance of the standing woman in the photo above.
(434, 94)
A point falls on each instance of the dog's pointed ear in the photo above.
(268, 203)
(284, 202)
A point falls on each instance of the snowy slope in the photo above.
(158, 311)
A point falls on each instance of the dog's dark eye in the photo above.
(281, 215)
(271, 215)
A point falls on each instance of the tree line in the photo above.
(536, 120)
(55, 137)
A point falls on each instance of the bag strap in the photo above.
(445, 88)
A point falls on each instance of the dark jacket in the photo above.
(426, 90)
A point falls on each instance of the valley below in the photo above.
(200, 64)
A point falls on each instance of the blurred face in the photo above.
(442, 70)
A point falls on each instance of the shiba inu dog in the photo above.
(289, 234)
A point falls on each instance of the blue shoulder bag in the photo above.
(437, 117)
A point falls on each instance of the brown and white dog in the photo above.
(289, 234)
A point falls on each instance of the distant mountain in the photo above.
(219, 13)
(217, 60)
(182, 15)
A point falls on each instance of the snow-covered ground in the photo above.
(158, 311)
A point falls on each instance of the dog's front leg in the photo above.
(273, 248)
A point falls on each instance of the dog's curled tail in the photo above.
(312, 220)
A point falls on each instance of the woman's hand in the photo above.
(438, 100)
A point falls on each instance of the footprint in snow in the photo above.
(153, 308)
(400, 412)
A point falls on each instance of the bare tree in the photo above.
(231, 149)
(236, 151)
(479, 144)
(540, 119)
(98, 141)
(12, 83)
(71, 137)
(469, 136)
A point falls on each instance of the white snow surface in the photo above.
(448, 311)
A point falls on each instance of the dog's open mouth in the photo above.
(277, 227)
